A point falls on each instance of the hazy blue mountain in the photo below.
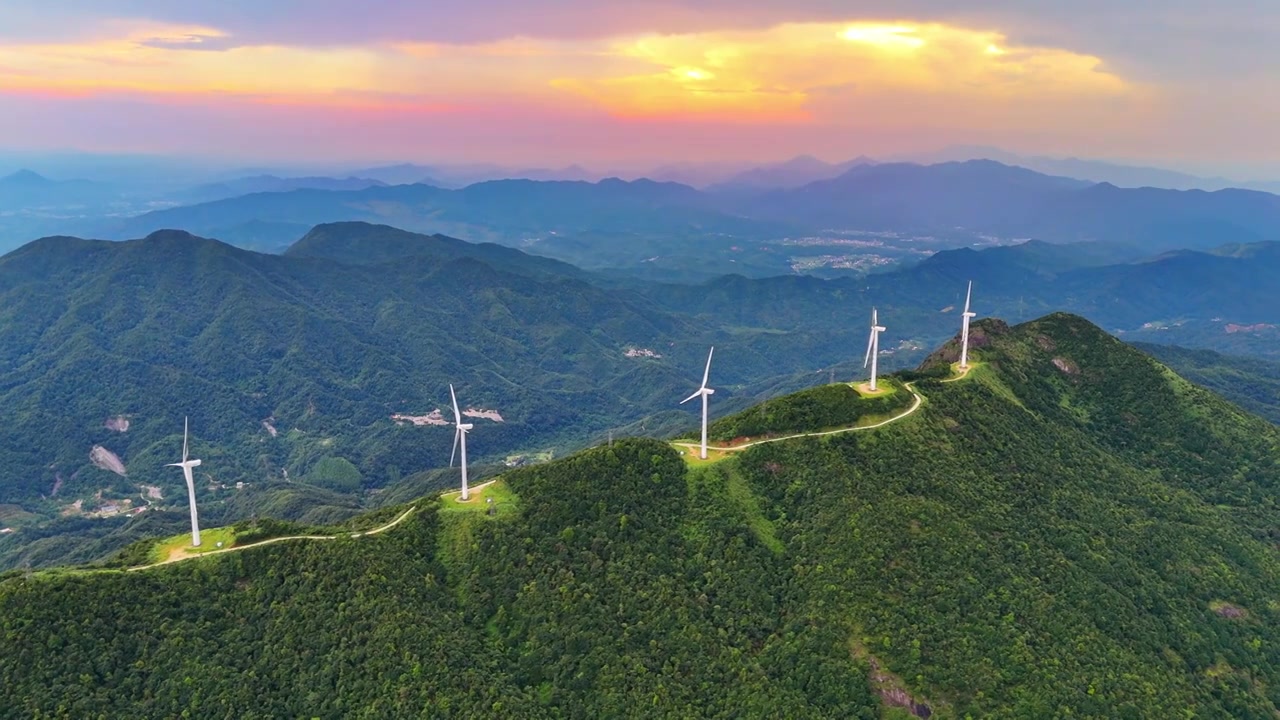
(26, 189)
(795, 172)
(402, 174)
(271, 183)
(978, 194)
(1098, 171)
(865, 220)
(984, 195)
(357, 243)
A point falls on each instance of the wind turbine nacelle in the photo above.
(878, 329)
(465, 427)
(193, 463)
(708, 391)
(971, 314)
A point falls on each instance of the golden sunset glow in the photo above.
(769, 75)
(884, 36)
(776, 73)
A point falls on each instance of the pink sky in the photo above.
(609, 82)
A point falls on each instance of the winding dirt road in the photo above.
(915, 405)
(236, 548)
(857, 428)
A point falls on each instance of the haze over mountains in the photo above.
(868, 218)
(802, 216)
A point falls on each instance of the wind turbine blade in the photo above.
(457, 416)
(706, 374)
(966, 296)
(874, 322)
(184, 439)
(870, 342)
(456, 435)
(691, 396)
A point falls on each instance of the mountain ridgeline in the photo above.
(291, 368)
(1068, 530)
(981, 195)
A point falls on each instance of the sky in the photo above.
(1181, 83)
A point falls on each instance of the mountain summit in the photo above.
(1069, 529)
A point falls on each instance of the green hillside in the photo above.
(1068, 531)
(292, 366)
(1250, 382)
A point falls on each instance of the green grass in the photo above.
(987, 376)
(885, 389)
(957, 374)
(504, 498)
(209, 540)
(692, 455)
(737, 489)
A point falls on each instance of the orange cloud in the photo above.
(781, 71)
(789, 73)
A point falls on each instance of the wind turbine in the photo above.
(873, 348)
(705, 392)
(964, 329)
(186, 466)
(460, 440)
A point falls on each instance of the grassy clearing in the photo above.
(455, 543)
(707, 483)
(985, 375)
(883, 389)
(504, 498)
(692, 455)
(740, 493)
(180, 545)
(958, 374)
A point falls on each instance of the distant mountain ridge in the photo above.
(976, 196)
(1098, 171)
(26, 188)
(796, 172)
(271, 183)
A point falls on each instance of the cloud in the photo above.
(717, 77)
(797, 71)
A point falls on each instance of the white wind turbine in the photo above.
(460, 440)
(705, 392)
(873, 348)
(186, 466)
(964, 329)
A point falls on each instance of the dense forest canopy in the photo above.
(1069, 530)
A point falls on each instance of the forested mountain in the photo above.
(1069, 530)
(289, 364)
(1251, 383)
(292, 366)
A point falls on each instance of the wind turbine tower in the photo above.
(964, 329)
(186, 466)
(460, 441)
(873, 348)
(705, 392)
